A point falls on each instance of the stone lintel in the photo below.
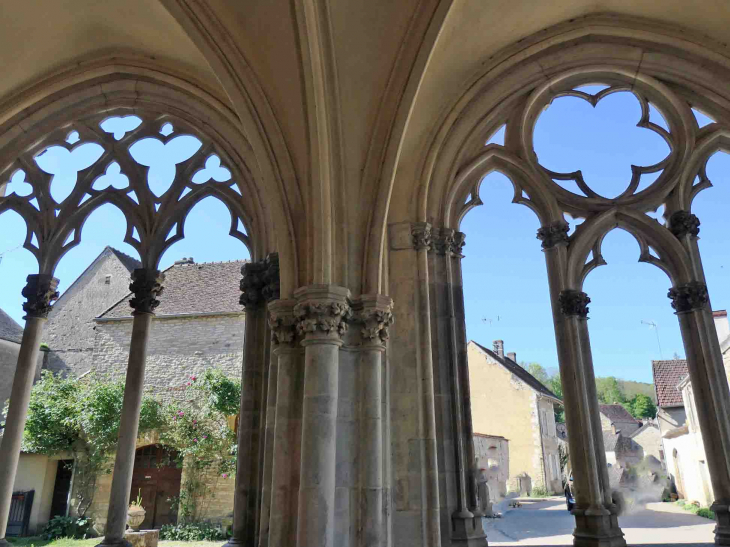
(322, 313)
(39, 291)
(146, 286)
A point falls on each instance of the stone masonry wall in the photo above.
(178, 348)
(69, 331)
(8, 362)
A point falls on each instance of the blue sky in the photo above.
(505, 279)
(504, 269)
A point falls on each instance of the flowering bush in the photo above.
(197, 427)
(198, 531)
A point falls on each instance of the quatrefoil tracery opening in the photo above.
(593, 138)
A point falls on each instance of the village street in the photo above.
(549, 523)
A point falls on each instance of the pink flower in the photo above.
(181, 413)
(224, 475)
(193, 378)
(205, 436)
(188, 384)
(195, 440)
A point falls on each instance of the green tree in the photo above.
(609, 391)
(555, 385)
(539, 372)
(81, 417)
(643, 407)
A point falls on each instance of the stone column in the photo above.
(246, 495)
(421, 239)
(287, 425)
(271, 294)
(595, 514)
(40, 291)
(711, 393)
(321, 311)
(146, 286)
(376, 317)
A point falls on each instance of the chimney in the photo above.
(184, 260)
(721, 324)
(498, 346)
(512, 355)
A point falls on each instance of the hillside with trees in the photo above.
(638, 398)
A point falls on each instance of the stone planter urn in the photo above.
(135, 517)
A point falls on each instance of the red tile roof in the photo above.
(667, 374)
(617, 413)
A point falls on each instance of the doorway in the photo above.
(156, 478)
(62, 488)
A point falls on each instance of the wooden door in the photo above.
(157, 478)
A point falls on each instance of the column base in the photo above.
(233, 542)
(722, 517)
(4, 542)
(114, 543)
(597, 530)
(469, 532)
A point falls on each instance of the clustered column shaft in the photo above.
(146, 287)
(40, 291)
(595, 514)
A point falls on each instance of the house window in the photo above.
(108, 279)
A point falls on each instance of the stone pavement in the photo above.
(549, 523)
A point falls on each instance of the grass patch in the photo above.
(539, 492)
(37, 541)
(704, 512)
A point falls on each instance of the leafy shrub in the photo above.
(67, 527)
(192, 531)
(706, 513)
(681, 503)
(539, 492)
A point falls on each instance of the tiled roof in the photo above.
(610, 440)
(211, 287)
(617, 413)
(520, 372)
(9, 329)
(126, 260)
(667, 374)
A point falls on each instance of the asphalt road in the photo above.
(549, 523)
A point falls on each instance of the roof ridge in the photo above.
(124, 257)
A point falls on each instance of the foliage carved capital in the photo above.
(271, 278)
(442, 241)
(689, 297)
(683, 223)
(574, 303)
(376, 317)
(40, 291)
(146, 286)
(553, 234)
(253, 284)
(457, 244)
(421, 234)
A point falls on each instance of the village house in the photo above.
(616, 418)
(507, 401)
(198, 324)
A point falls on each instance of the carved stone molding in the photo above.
(322, 312)
(442, 241)
(282, 322)
(553, 234)
(688, 297)
(376, 317)
(574, 303)
(682, 223)
(39, 292)
(253, 284)
(147, 286)
(457, 244)
(271, 278)
(421, 234)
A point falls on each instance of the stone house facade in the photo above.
(649, 438)
(617, 418)
(508, 401)
(199, 324)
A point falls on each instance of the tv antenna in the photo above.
(653, 325)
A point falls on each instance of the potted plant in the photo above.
(136, 513)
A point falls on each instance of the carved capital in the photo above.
(282, 322)
(253, 284)
(553, 234)
(376, 317)
(39, 292)
(421, 234)
(322, 312)
(442, 241)
(146, 286)
(574, 303)
(457, 244)
(270, 290)
(688, 297)
(683, 223)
